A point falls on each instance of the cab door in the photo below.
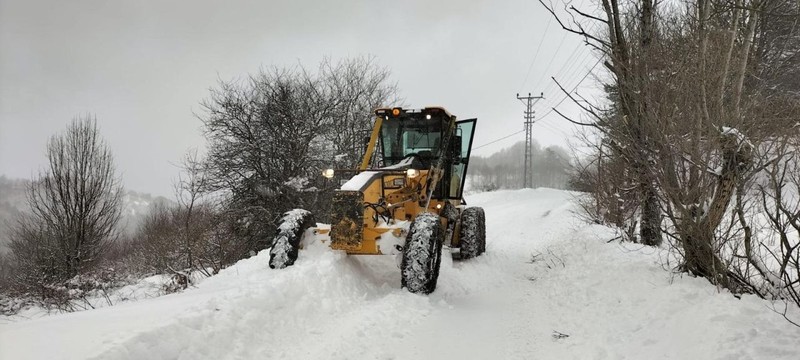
(465, 130)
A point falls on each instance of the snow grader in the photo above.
(411, 205)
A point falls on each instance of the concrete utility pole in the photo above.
(527, 177)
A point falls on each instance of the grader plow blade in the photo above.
(347, 221)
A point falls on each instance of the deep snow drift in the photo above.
(548, 287)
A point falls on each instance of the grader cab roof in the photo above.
(398, 111)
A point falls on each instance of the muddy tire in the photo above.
(287, 238)
(473, 233)
(422, 254)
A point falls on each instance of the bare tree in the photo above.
(157, 242)
(690, 108)
(771, 258)
(358, 87)
(625, 43)
(269, 137)
(75, 207)
(610, 196)
(192, 185)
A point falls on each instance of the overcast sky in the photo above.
(141, 67)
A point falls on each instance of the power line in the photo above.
(569, 65)
(572, 60)
(553, 58)
(536, 54)
(573, 88)
(494, 141)
(570, 72)
(550, 127)
(569, 68)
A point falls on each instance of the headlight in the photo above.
(328, 173)
(412, 173)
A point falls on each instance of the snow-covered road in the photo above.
(544, 274)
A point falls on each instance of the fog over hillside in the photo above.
(13, 202)
(550, 167)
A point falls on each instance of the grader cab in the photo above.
(411, 205)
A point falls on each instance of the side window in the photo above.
(465, 129)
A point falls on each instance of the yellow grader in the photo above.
(412, 205)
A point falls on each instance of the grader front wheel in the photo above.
(422, 254)
(287, 239)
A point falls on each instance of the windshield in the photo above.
(403, 137)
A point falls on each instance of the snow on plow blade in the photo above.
(347, 220)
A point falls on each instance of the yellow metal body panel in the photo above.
(373, 140)
(402, 202)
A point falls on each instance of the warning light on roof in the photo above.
(396, 112)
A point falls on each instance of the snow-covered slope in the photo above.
(544, 274)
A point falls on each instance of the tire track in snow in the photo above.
(331, 299)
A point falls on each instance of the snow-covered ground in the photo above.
(549, 287)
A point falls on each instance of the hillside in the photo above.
(13, 201)
(549, 287)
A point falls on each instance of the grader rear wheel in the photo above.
(473, 233)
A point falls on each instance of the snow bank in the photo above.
(107, 294)
(544, 272)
